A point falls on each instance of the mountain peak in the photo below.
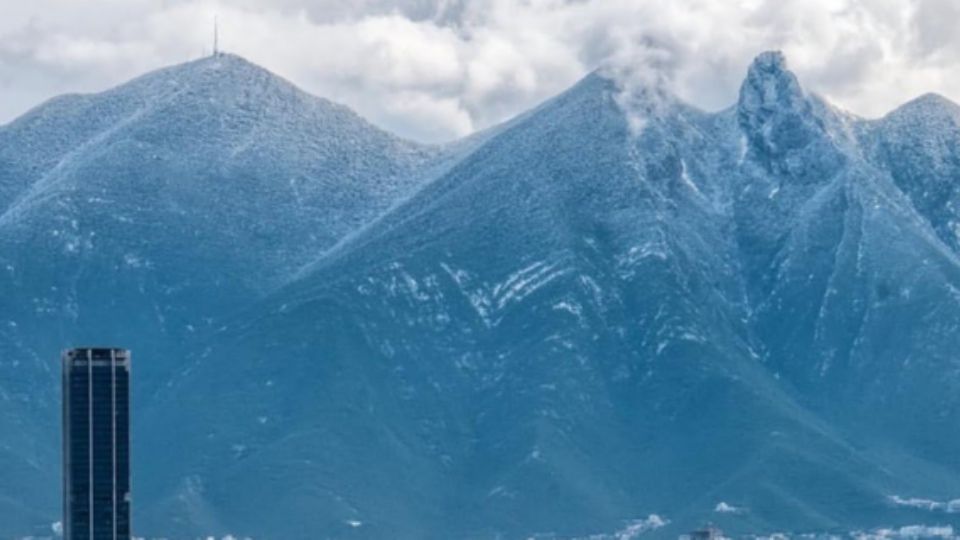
(928, 108)
(770, 61)
(228, 62)
(773, 110)
(770, 85)
(218, 73)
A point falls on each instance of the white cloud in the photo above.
(438, 69)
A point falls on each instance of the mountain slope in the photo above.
(577, 326)
(145, 214)
(853, 285)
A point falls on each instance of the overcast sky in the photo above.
(434, 70)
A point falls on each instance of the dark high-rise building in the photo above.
(96, 444)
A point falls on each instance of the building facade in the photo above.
(96, 444)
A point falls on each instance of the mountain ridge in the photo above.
(562, 326)
(526, 269)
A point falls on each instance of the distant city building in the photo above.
(96, 444)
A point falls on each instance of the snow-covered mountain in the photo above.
(557, 328)
(147, 213)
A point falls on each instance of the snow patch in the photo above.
(685, 176)
(950, 507)
(489, 300)
(726, 508)
(909, 532)
(638, 527)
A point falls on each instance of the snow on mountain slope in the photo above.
(145, 214)
(575, 326)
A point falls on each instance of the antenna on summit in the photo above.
(216, 37)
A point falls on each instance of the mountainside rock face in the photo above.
(556, 329)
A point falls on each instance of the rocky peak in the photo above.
(773, 111)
